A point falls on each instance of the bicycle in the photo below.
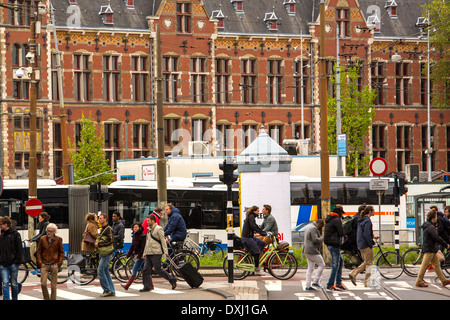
(389, 263)
(280, 263)
(24, 268)
(82, 269)
(209, 248)
(412, 261)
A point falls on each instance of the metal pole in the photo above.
(339, 171)
(161, 161)
(32, 168)
(230, 241)
(430, 150)
(62, 114)
(301, 84)
(324, 153)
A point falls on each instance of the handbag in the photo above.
(104, 250)
(88, 238)
(440, 256)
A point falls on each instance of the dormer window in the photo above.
(271, 20)
(129, 3)
(218, 14)
(374, 23)
(107, 14)
(238, 5)
(391, 6)
(290, 6)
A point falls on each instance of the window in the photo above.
(378, 70)
(198, 129)
(139, 76)
(276, 132)
(343, 21)
(275, 81)
(82, 76)
(22, 16)
(111, 78)
(248, 80)
(379, 140)
(403, 146)
(112, 134)
(222, 85)
(199, 76)
(55, 91)
(299, 86)
(171, 136)
(21, 89)
(224, 139)
(170, 78)
(249, 134)
(403, 92)
(140, 140)
(22, 141)
(183, 17)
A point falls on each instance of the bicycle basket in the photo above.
(77, 260)
(282, 245)
(26, 254)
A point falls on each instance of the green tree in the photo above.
(356, 119)
(439, 13)
(89, 159)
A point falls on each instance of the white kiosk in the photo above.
(264, 169)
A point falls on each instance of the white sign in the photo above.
(379, 184)
(148, 172)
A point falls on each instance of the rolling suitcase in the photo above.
(189, 273)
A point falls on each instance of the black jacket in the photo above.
(250, 227)
(442, 227)
(431, 238)
(137, 244)
(10, 247)
(333, 230)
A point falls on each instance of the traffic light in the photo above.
(402, 188)
(228, 177)
(96, 193)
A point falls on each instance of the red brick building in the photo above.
(227, 65)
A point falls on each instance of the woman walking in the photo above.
(137, 248)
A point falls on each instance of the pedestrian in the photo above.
(269, 224)
(312, 244)
(430, 247)
(365, 243)
(50, 256)
(333, 236)
(176, 227)
(155, 247)
(137, 248)
(350, 243)
(157, 213)
(118, 230)
(252, 243)
(105, 240)
(91, 227)
(443, 225)
(10, 258)
(43, 219)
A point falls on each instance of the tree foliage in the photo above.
(439, 13)
(356, 119)
(89, 159)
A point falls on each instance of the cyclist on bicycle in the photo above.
(254, 245)
(269, 224)
(176, 227)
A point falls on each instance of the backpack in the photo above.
(347, 225)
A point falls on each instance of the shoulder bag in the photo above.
(88, 238)
(104, 250)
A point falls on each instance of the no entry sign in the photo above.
(378, 166)
(33, 207)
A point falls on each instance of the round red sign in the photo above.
(378, 166)
(33, 207)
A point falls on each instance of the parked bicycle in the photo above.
(30, 266)
(412, 260)
(82, 269)
(209, 248)
(389, 263)
(280, 263)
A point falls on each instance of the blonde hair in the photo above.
(52, 226)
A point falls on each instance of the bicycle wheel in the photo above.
(119, 269)
(412, 259)
(445, 265)
(84, 275)
(23, 273)
(215, 252)
(129, 270)
(240, 258)
(179, 259)
(390, 265)
(282, 265)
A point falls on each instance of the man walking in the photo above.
(364, 241)
(334, 233)
(105, 239)
(10, 258)
(313, 241)
(155, 247)
(50, 256)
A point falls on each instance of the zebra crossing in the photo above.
(70, 291)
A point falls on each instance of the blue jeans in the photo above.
(138, 265)
(9, 275)
(336, 267)
(104, 275)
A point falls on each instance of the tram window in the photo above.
(298, 194)
(191, 213)
(359, 193)
(314, 191)
(337, 193)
